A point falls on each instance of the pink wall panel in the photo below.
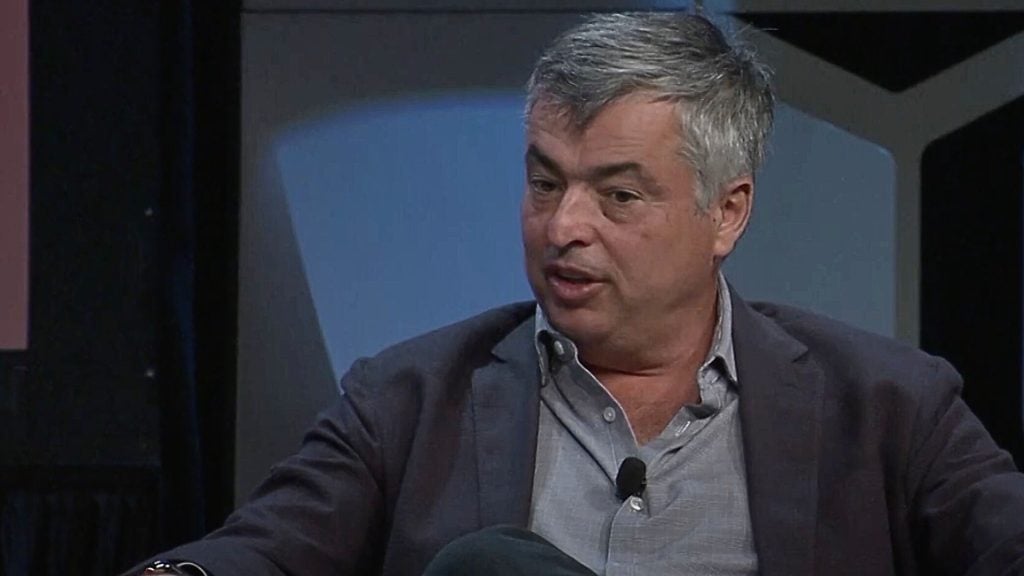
(14, 166)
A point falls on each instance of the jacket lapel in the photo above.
(505, 414)
(780, 411)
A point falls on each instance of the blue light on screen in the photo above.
(406, 214)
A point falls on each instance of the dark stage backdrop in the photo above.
(79, 444)
(894, 195)
(105, 441)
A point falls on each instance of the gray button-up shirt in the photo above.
(693, 517)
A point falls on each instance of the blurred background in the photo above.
(209, 210)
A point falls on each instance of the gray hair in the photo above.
(723, 93)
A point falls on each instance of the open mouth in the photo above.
(571, 286)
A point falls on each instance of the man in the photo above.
(773, 441)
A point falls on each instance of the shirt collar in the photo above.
(548, 340)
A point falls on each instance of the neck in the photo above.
(652, 383)
(668, 348)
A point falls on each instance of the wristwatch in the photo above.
(158, 567)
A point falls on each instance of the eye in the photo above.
(542, 186)
(623, 196)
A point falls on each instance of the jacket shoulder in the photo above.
(436, 354)
(461, 340)
(853, 354)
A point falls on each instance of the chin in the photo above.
(579, 324)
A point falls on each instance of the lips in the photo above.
(571, 285)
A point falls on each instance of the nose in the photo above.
(574, 219)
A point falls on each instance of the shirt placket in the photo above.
(598, 409)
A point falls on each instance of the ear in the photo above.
(731, 212)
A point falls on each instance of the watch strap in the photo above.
(185, 568)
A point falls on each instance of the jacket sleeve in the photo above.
(966, 493)
(320, 512)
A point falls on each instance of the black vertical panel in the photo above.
(201, 60)
(972, 184)
(217, 88)
(181, 471)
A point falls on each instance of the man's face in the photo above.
(617, 250)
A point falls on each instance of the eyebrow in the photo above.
(534, 153)
(597, 173)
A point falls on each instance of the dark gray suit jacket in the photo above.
(861, 458)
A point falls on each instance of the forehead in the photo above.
(634, 127)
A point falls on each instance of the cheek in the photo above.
(533, 255)
(532, 226)
(665, 258)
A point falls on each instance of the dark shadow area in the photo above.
(972, 185)
(118, 419)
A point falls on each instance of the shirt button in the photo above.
(559, 348)
(636, 503)
(609, 414)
